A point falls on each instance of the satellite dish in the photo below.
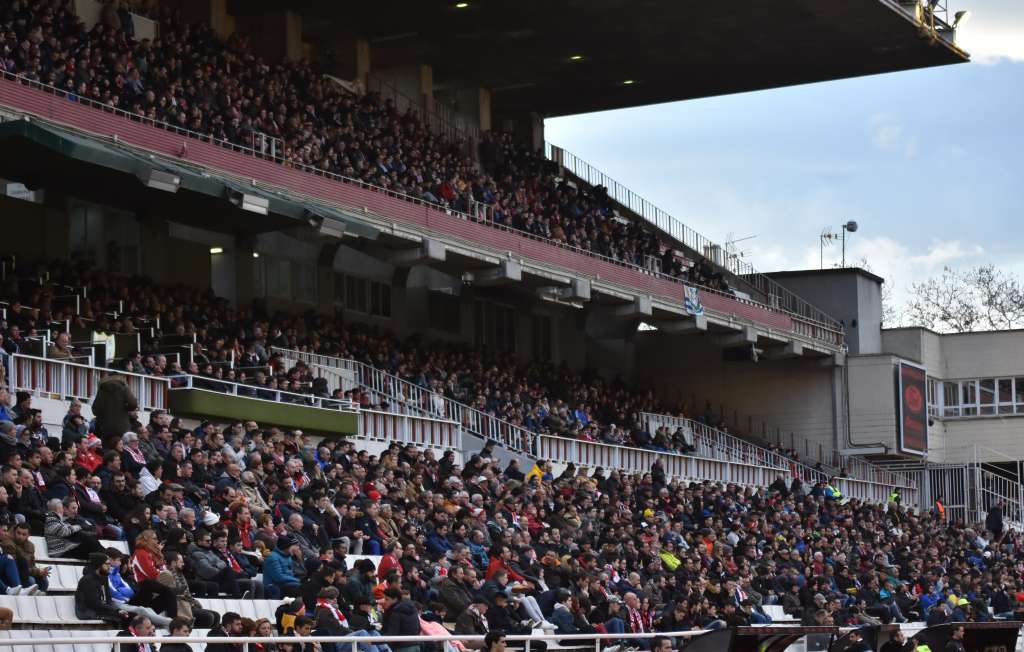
(850, 226)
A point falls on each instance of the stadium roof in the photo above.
(668, 49)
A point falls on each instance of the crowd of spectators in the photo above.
(236, 346)
(469, 548)
(190, 78)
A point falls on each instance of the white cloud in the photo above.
(888, 135)
(899, 263)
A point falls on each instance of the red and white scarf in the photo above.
(327, 604)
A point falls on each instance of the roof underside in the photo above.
(672, 49)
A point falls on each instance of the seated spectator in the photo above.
(189, 609)
(92, 596)
(17, 544)
(180, 627)
(401, 618)
(65, 538)
(279, 568)
(139, 626)
(230, 625)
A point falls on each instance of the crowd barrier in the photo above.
(68, 380)
(386, 426)
(1000, 635)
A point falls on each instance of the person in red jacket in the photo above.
(391, 560)
(500, 558)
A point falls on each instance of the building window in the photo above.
(360, 295)
(981, 397)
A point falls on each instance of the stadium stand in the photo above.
(202, 343)
(224, 91)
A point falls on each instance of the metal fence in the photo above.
(67, 380)
(775, 294)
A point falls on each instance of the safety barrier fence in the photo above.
(433, 433)
(261, 393)
(130, 129)
(775, 294)
(68, 380)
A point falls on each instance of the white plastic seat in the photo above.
(23, 607)
(120, 545)
(64, 578)
(40, 634)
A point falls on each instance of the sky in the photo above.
(930, 163)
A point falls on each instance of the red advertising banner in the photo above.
(912, 429)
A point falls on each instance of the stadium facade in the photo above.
(775, 358)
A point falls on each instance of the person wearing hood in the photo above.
(92, 596)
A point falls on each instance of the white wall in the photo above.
(872, 399)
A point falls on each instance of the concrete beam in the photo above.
(507, 271)
(745, 337)
(641, 307)
(429, 251)
(791, 349)
(695, 324)
(579, 290)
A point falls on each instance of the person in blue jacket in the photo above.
(277, 568)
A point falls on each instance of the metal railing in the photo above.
(409, 429)
(404, 397)
(442, 120)
(776, 295)
(714, 443)
(68, 380)
(256, 392)
(824, 329)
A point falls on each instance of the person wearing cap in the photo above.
(473, 621)
(279, 568)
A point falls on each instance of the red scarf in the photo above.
(326, 604)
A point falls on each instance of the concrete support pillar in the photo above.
(484, 109)
(536, 131)
(222, 22)
(293, 50)
(274, 36)
(427, 86)
(362, 59)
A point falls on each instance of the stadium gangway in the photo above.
(80, 115)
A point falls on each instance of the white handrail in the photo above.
(73, 380)
(258, 393)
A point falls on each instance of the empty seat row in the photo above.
(43, 553)
(44, 610)
(64, 578)
(60, 609)
(254, 609)
(43, 635)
